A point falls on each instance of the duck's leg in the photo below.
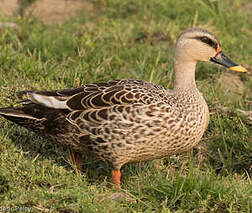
(75, 160)
(116, 178)
(118, 195)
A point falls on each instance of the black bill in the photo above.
(221, 59)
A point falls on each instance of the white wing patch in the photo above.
(48, 101)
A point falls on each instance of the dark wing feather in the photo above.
(92, 108)
(98, 95)
(115, 92)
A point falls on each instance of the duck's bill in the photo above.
(225, 61)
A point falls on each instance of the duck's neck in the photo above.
(184, 75)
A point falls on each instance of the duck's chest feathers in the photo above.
(166, 128)
(186, 121)
(176, 125)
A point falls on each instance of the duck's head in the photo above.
(197, 44)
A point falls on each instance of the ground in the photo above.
(52, 49)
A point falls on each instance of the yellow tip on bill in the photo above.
(238, 69)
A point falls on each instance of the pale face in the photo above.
(197, 45)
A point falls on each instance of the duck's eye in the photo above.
(205, 40)
(208, 41)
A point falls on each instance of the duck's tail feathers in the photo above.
(17, 113)
(25, 117)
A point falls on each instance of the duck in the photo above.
(126, 121)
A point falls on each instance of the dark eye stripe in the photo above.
(207, 41)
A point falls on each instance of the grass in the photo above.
(127, 39)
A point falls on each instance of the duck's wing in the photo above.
(95, 96)
(42, 110)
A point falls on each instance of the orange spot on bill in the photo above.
(218, 49)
